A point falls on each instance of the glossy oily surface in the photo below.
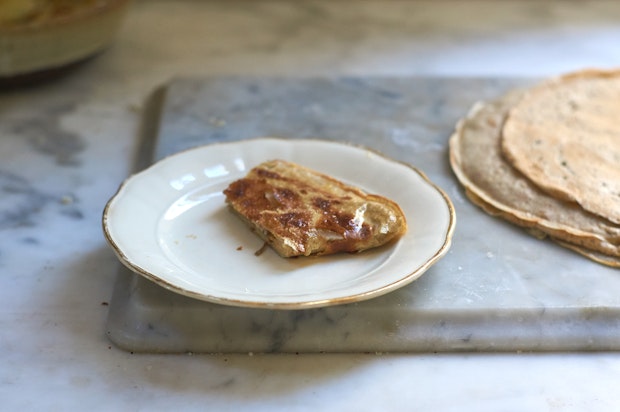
(170, 224)
(302, 212)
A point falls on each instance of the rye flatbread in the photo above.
(564, 135)
(493, 184)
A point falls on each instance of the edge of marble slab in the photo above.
(185, 326)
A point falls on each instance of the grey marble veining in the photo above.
(497, 289)
(37, 137)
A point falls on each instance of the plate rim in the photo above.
(414, 274)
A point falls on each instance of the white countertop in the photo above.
(65, 147)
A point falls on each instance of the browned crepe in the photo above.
(493, 184)
(302, 212)
(564, 135)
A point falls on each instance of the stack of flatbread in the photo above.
(548, 158)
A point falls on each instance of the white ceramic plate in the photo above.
(170, 224)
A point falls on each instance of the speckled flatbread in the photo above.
(493, 184)
(564, 135)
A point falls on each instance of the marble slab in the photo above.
(497, 289)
